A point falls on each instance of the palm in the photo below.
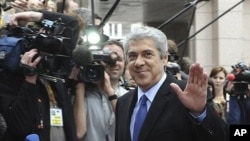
(195, 93)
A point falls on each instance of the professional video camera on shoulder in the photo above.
(92, 62)
(241, 77)
(47, 37)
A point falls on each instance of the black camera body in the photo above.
(94, 72)
(173, 67)
(47, 37)
(91, 73)
(105, 56)
(92, 62)
(241, 77)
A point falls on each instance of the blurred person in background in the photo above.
(185, 64)
(239, 95)
(172, 64)
(218, 78)
(95, 102)
(128, 81)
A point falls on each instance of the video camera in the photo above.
(241, 77)
(172, 65)
(91, 62)
(47, 37)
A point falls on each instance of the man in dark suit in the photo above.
(175, 110)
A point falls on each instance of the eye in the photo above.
(148, 54)
(119, 59)
(221, 78)
(131, 56)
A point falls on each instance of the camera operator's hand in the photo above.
(24, 17)
(229, 86)
(74, 73)
(107, 85)
(28, 59)
(21, 5)
(24, 5)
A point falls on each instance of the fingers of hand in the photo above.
(191, 73)
(197, 74)
(27, 57)
(20, 5)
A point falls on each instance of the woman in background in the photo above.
(218, 78)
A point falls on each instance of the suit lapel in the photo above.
(127, 116)
(157, 107)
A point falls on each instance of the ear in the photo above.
(165, 58)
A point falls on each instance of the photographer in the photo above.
(172, 65)
(32, 104)
(95, 102)
(238, 88)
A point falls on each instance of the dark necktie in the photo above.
(140, 116)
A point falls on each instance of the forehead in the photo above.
(141, 45)
(220, 74)
(114, 48)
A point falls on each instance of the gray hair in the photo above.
(146, 32)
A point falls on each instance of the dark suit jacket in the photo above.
(22, 112)
(168, 119)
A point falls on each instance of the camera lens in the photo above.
(92, 74)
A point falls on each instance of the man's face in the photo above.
(115, 71)
(144, 63)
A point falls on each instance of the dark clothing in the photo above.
(25, 105)
(71, 30)
(167, 119)
(239, 110)
(2, 126)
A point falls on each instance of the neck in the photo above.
(114, 83)
(218, 92)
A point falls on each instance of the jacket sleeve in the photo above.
(213, 127)
(18, 104)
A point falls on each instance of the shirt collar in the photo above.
(150, 94)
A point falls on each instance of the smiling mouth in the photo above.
(140, 71)
(114, 69)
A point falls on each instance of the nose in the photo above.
(217, 80)
(139, 61)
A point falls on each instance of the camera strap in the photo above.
(56, 116)
(50, 91)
